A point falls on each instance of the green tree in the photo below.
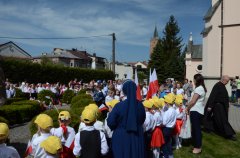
(167, 57)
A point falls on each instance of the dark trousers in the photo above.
(167, 147)
(196, 119)
(147, 143)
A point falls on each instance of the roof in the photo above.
(80, 54)
(59, 55)
(206, 30)
(155, 34)
(211, 11)
(10, 42)
(197, 51)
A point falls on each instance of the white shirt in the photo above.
(77, 147)
(149, 122)
(59, 133)
(157, 116)
(108, 131)
(144, 91)
(117, 97)
(37, 151)
(8, 151)
(108, 98)
(119, 87)
(180, 91)
(180, 114)
(169, 117)
(8, 93)
(98, 125)
(39, 89)
(199, 105)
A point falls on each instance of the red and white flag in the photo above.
(138, 92)
(153, 84)
(29, 149)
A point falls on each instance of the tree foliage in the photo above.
(167, 58)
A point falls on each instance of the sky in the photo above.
(133, 22)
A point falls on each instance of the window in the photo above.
(125, 75)
(71, 64)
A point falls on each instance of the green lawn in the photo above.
(213, 147)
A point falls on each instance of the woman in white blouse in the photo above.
(196, 108)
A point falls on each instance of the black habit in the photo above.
(217, 119)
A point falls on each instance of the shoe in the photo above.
(180, 145)
(197, 151)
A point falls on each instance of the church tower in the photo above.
(154, 40)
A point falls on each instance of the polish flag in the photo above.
(138, 92)
(153, 84)
(28, 150)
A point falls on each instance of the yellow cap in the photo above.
(112, 103)
(180, 96)
(172, 95)
(51, 145)
(4, 131)
(44, 121)
(169, 99)
(162, 103)
(64, 115)
(178, 101)
(154, 102)
(94, 108)
(147, 104)
(88, 115)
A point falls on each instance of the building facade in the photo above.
(73, 58)
(11, 50)
(221, 37)
(193, 59)
(153, 41)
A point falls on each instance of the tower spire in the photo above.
(155, 34)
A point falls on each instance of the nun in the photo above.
(126, 120)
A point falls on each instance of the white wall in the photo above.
(123, 69)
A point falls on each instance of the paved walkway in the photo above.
(20, 135)
(234, 117)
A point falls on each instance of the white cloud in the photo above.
(44, 19)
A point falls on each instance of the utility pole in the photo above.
(113, 53)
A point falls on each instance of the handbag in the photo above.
(185, 132)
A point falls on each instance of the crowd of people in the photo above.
(149, 128)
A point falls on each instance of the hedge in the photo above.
(42, 96)
(80, 97)
(67, 96)
(17, 114)
(2, 119)
(11, 100)
(75, 119)
(20, 70)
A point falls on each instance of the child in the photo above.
(6, 151)
(169, 121)
(110, 96)
(148, 127)
(109, 132)
(110, 105)
(65, 133)
(89, 142)
(180, 113)
(157, 139)
(52, 147)
(44, 124)
(98, 125)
